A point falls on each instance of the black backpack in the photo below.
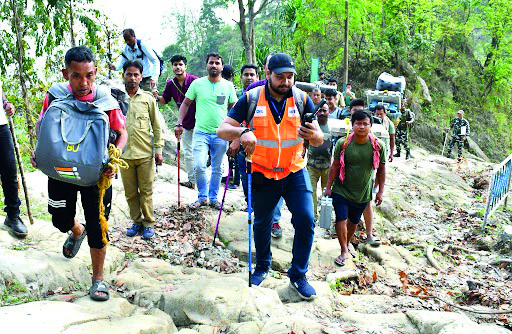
(142, 56)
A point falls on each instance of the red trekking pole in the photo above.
(179, 167)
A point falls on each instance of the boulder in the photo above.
(504, 244)
(37, 263)
(115, 316)
(431, 322)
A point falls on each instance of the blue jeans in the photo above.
(202, 142)
(243, 175)
(296, 190)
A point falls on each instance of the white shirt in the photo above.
(148, 58)
(3, 117)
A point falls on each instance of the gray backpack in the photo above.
(73, 136)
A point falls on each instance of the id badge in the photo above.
(463, 130)
(221, 99)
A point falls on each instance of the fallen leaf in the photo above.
(404, 280)
(187, 227)
(374, 276)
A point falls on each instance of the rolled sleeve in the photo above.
(117, 119)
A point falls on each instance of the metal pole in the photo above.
(249, 212)
(179, 151)
(222, 203)
(22, 171)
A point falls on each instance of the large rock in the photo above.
(430, 322)
(37, 263)
(116, 316)
(219, 302)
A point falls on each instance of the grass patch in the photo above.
(14, 293)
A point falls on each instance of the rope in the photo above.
(115, 162)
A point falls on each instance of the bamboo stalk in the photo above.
(22, 171)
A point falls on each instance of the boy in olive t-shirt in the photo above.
(362, 155)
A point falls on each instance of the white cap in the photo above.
(460, 112)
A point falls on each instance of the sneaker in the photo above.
(148, 233)
(258, 276)
(303, 288)
(17, 226)
(276, 230)
(134, 230)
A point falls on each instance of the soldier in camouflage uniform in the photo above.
(461, 130)
(319, 158)
(402, 132)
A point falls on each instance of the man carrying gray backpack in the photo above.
(73, 134)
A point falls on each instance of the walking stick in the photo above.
(179, 151)
(444, 145)
(22, 171)
(222, 203)
(249, 211)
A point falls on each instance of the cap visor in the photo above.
(281, 70)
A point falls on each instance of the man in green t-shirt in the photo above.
(214, 96)
(319, 158)
(350, 178)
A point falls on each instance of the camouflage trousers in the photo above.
(459, 140)
(402, 138)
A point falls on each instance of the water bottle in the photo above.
(325, 212)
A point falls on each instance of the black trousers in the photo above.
(8, 173)
(62, 199)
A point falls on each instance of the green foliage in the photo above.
(14, 293)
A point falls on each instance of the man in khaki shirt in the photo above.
(142, 119)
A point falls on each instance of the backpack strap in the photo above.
(300, 99)
(139, 42)
(252, 99)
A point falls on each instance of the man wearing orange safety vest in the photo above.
(275, 141)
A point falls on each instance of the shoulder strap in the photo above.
(59, 90)
(252, 98)
(139, 42)
(175, 85)
(300, 99)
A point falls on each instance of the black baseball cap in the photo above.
(280, 63)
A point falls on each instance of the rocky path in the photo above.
(180, 283)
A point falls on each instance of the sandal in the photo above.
(188, 184)
(215, 205)
(197, 204)
(99, 286)
(340, 261)
(373, 241)
(73, 245)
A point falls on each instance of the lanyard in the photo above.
(279, 115)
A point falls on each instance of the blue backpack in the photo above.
(73, 136)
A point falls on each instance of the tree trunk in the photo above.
(243, 31)
(252, 50)
(20, 58)
(71, 24)
(345, 56)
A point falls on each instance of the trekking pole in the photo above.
(249, 212)
(22, 171)
(445, 139)
(222, 203)
(179, 151)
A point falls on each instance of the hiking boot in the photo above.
(148, 233)
(303, 288)
(397, 155)
(17, 226)
(407, 155)
(276, 230)
(258, 276)
(459, 159)
(134, 230)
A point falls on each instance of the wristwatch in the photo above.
(245, 131)
(178, 125)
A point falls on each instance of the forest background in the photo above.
(455, 54)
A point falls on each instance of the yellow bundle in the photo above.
(104, 183)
